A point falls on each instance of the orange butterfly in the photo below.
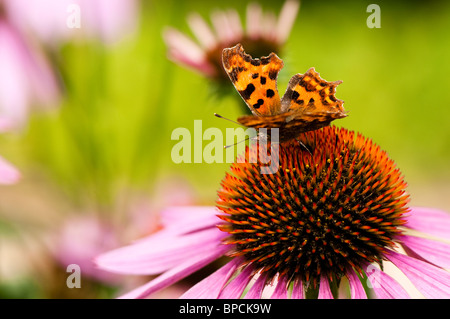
(308, 103)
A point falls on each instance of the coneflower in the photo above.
(264, 33)
(335, 208)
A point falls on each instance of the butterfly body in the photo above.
(308, 103)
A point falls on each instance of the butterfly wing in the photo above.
(308, 94)
(254, 79)
(308, 104)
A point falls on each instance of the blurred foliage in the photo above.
(112, 134)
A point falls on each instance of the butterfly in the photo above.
(308, 103)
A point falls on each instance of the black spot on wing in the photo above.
(308, 86)
(255, 62)
(263, 80)
(270, 93)
(235, 72)
(265, 60)
(255, 75)
(273, 74)
(295, 95)
(258, 104)
(248, 91)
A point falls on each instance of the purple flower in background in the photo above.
(26, 78)
(335, 211)
(82, 238)
(8, 173)
(53, 21)
(264, 33)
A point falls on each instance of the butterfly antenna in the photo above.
(221, 117)
(304, 146)
(228, 146)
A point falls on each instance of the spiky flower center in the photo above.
(333, 207)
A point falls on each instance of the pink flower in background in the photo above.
(8, 173)
(64, 20)
(265, 33)
(82, 238)
(26, 78)
(337, 210)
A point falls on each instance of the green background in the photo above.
(111, 137)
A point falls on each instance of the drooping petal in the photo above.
(8, 173)
(433, 251)
(356, 288)
(185, 51)
(178, 215)
(160, 253)
(211, 286)
(281, 290)
(176, 273)
(384, 286)
(429, 220)
(297, 290)
(182, 220)
(255, 292)
(431, 281)
(324, 289)
(286, 20)
(236, 287)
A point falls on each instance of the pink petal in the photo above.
(178, 216)
(184, 51)
(222, 26)
(255, 292)
(177, 273)
(431, 221)
(184, 219)
(297, 291)
(26, 77)
(8, 173)
(200, 66)
(324, 289)
(235, 24)
(281, 290)
(160, 252)
(431, 281)
(254, 15)
(202, 31)
(269, 26)
(430, 250)
(356, 287)
(236, 287)
(384, 286)
(108, 20)
(211, 286)
(7, 124)
(286, 20)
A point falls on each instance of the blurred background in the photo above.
(87, 114)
